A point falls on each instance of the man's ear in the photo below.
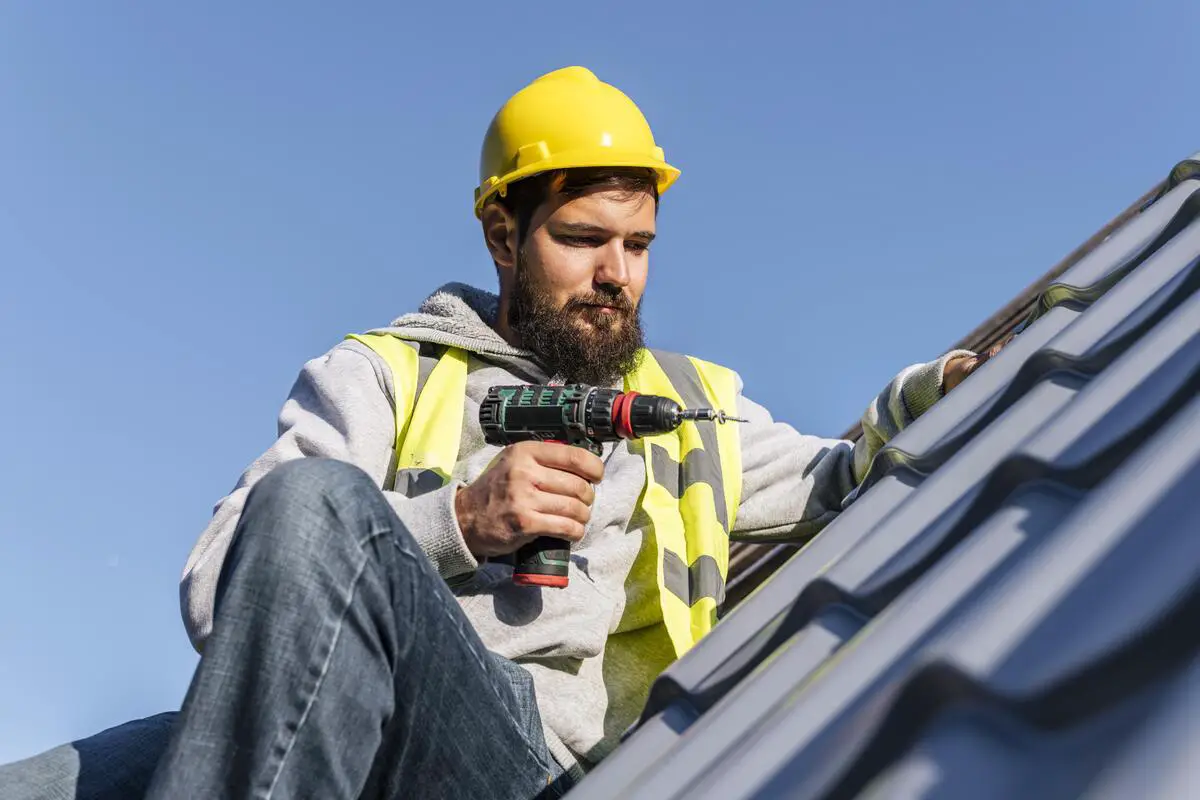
(500, 235)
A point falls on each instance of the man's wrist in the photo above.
(432, 520)
(924, 385)
(463, 516)
(956, 371)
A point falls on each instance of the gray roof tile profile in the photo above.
(1009, 605)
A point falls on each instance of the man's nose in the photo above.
(613, 268)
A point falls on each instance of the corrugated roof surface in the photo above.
(751, 564)
(1010, 606)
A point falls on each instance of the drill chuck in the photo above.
(637, 415)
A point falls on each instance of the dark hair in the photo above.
(525, 196)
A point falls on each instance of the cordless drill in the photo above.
(582, 416)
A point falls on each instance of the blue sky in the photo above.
(195, 199)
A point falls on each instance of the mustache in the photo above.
(617, 299)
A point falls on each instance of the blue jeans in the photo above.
(118, 762)
(340, 666)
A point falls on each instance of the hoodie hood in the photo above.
(458, 315)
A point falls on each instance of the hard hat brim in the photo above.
(667, 174)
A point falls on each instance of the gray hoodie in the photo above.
(593, 648)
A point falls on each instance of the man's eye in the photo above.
(583, 241)
(637, 247)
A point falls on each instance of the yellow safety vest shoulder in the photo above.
(693, 475)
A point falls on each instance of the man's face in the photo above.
(580, 274)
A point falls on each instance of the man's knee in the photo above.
(313, 493)
(304, 479)
(303, 511)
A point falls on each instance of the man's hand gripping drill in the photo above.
(525, 420)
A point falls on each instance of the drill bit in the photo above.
(709, 414)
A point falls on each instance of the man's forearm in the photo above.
(794, 484)
(909, 395)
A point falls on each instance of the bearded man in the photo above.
(352, 598)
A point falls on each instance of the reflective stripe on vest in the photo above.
(693, 475)
(693, 486)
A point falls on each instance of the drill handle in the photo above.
(546, 560)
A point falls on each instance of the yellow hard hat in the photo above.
(566, 118)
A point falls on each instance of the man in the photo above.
(359, 629)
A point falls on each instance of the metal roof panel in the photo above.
(1008, 605)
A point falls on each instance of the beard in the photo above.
(597, 353)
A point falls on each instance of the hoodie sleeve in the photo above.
(793, 484)
(339, 407)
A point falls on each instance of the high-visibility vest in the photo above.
(693, 474)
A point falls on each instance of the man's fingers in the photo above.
(556, 481)
(998, 346)
(987, 355)
(560, 527)
(581, 462)
(562, 506)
